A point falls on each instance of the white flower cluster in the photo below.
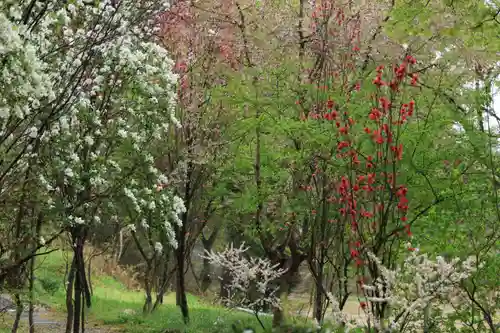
(178, 208)
(158, 247)
(161, 208)
(409, 290)
(251, 279)
(86, 98)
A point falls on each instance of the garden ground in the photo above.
(116, 308)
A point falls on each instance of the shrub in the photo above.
(50, 284)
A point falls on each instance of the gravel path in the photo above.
(43, 318)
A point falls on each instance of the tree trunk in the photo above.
(158, 300)
(180, 233)
(69, 296)
(180, 290)
(291, 264)
(78, 300)
(31, 306)
(149, 273)
(206, 272)
(206, 279)
(162, 283)
(19, 312)
(80, 286)
(148, 303)
(288, 280)
(82, 320)
(89, 272)
(36, 228)
(318, 297)
(18, 279)
(278, 317)
(181, 283)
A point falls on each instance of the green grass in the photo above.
(111, 300)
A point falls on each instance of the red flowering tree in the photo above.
(366, 186)
(355, 176)
(347, 178)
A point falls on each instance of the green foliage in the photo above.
(50, 285)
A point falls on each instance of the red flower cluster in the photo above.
(399, 74)
(359, 197)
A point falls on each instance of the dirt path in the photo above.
(45, 321)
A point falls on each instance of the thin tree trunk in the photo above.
(148, 303)
(162, 285)
(318, 297)
(181, 298)
(19, 312)
(82, 320)
(18, 279)
(148, 279)
(181, 284)
(37, 226)
(80, 286)
(89, 277)
(289, 279)
(206, 278)
(69, 296)
(78, 299)
(31, 307)
(278, 316)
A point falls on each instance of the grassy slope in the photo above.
(111, 298)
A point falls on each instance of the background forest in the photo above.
(249, 166)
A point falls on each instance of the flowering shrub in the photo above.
(414, 291)
(252, 280)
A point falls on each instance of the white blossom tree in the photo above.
(86, 101)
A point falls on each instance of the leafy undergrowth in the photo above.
(118, 308)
